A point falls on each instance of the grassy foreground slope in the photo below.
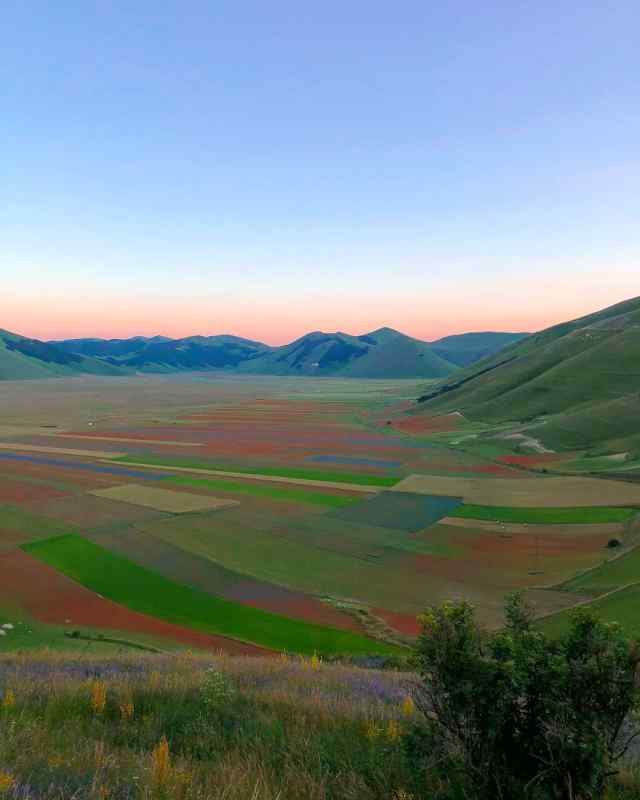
(142, 590)
(581, 378)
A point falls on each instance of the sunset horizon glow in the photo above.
(189, 168)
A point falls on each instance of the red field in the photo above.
(50, 597)
(424, 424)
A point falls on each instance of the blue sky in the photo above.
(267, 169)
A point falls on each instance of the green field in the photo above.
(16, 520)
(617, 572)
(546, 516)
(280, 472)
(141, 590)
(622, 607)
(274, 492)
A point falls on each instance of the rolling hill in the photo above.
(22, 358)
(161, 354)
(384, 353)
(579, 382)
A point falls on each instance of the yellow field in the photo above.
(557, 492)
(162, 499)
(60, 451)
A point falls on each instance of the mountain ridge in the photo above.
(382, 353)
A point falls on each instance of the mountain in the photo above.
(384, 353)
(578, 381)
(22, 358)
(108, 348)
(467, 348)
(161, 354)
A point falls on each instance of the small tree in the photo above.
(515, 714)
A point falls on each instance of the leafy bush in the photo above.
(514, 714)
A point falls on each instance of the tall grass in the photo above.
(146, 727)
(195, 728)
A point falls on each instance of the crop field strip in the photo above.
(555, 492)
(317, 476)
(182, 566)
(321, 484)
(86, 466)
(61, 451)
(586, 515)
(163, 499)
(146, 592)
(273, 492)
(47, 596)
(404, 511)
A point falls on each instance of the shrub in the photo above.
(217, 689)
(515, 714)
(612, 543)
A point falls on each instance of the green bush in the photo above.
(514, 714)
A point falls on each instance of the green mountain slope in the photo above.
(581, 378)
(160, 354)
(384, 353)
(467, 348)
(22, 358)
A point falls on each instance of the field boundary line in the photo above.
(587, 602)
(352, 487)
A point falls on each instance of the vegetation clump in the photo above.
(516, 714)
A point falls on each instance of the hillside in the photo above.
(384, 353)
(581, 378)
(466, 348)
(22, 358)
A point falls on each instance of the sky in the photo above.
(271, 168)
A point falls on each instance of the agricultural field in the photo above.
(256, 515)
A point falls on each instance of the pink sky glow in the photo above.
(275, 321)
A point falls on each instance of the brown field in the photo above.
(162, 499)
(556, 492)
(18, 492)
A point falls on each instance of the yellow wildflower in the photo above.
(408, 706)
(98, 697)
(394, 731)
(126, 710)
(372, 730)
(9, 700)
(6, 782)
(161, 763)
